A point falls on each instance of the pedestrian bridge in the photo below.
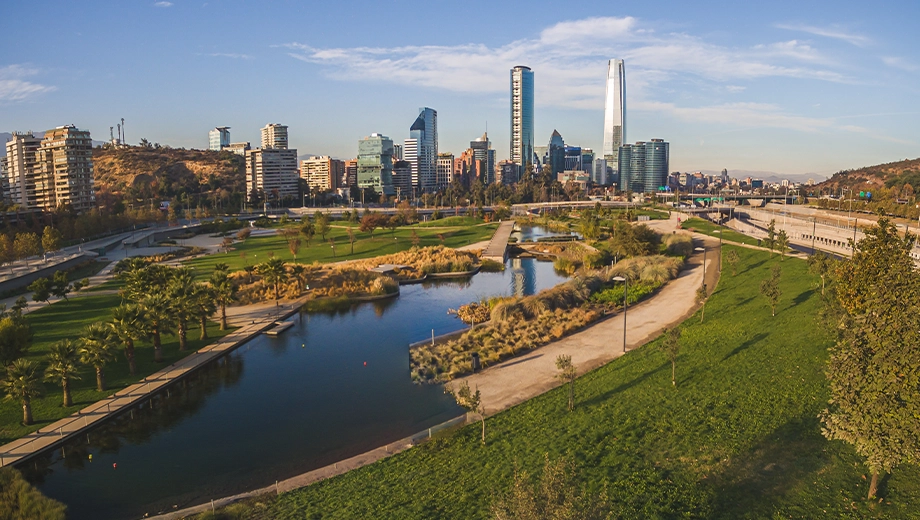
(497, 249)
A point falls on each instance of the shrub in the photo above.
(678, 244)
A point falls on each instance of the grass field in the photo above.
(256, 249)
(65, 320)
(708, 228)
(738, 438)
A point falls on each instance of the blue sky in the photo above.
(791, 87)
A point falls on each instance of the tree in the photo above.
(26, 245)
(97, 350)
(671, 347)
(372, 221)
(51, 239)
(294, 246)
(472, 313)
(41, 290)
(129, 324)
(243, 234)
(7, 253)
(22, 383)
(732, 258)
(224, 293)
(589, 227)
(351, 239)
(873, 367)
(701, 297)
(274, 274)
(204, 305)
(15, 337)
(249, 270)
(415, 238)
(63, 364)
(60, 285)
(321, 221)
(469, 401)
(821, 265)
(181, 291)
(770, 288)
(159, 315)
(555, 496)
(782, 243)
(567, 374)
(771, 236)
(226, 244)
(308, 230)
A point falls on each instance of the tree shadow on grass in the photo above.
(746, 345)
(752, 484)
(804, 296)
(626, 386)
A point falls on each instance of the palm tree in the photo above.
(182, 293)
(249, 270)
(97, 350)
(224, 293)
(298, 272)
(129, 324)
(22, 383)
(63, 363)
(273, 273)
(204, 306)
(159, 313)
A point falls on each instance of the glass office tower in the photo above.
(644, 166)
(421, 150)
(614, 116)
(375, 163)
(522, 116)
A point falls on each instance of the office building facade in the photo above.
(522, 117)
(614, 113)
(322, 173)
(555, 153)
(482, 151)
(219, 138)
(271, 174)
(445, 169)
(375, 164)
(402, 179)
(275, 135)
(643, 167)
(421, 150)
(350, 176)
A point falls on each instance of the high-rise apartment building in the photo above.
(482, 151)
(445, 169)
(522, 123)
(402, 179)
(397, 152)
(375, 163)
(350, 177)
(219, 138)
(275, 135)
(322, 173)
(614, 113)
(271, 174)
(66, 177)
(643, 166)
(421, 150)
(22, 168)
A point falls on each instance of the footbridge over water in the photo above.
(497, 249)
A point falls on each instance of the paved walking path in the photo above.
(61, 430)
(519, 379)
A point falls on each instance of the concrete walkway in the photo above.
(498, 245)
(61, 430)
(519, 379)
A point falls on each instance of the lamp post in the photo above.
(625, 304)
(703, 250)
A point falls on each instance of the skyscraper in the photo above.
(555, 154)
(421, 150)
(644, 166)
(522, 115)
(482, 151)
(375, 163)
(219, 138)
(275, 136)
(66, 178)
(271, 174)
(614, 113)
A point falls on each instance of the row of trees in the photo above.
(27, 244)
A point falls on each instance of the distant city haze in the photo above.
(783, 87)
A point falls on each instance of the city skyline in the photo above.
(739, 87)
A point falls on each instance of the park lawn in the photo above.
(708, 228)
(738, 438)
(65, 320)
(458, 221)
(384, 242)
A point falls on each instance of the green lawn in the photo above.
(708, 228)
(738, 438)
(65, 320)
(255, 250)
(452, 221)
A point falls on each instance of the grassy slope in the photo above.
(708, 228)
(65, 320)
(384, 242)
(738, 437)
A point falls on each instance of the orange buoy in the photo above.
(365, 363)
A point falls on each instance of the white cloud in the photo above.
(163, 4)
(828, 32)
(734, 89)
(899, 63)
(13, 86)
(230, 55)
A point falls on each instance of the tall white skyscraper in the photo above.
(614, 114)
(421, 150)
(522, 116)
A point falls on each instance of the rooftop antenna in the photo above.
(111, 135)
(123, 141)
(119, 133)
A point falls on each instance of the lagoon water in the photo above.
(275, 407)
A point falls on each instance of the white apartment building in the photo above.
(271, 173)
(275, 135)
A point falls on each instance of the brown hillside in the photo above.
(167, 171)
(870, 176)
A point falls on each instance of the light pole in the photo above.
(625, 304)
(703, 249)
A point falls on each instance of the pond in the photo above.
(331, 387)
(535, 233)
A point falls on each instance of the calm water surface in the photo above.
(274, 408)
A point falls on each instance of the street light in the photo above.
(703, 249)
(625, 304)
